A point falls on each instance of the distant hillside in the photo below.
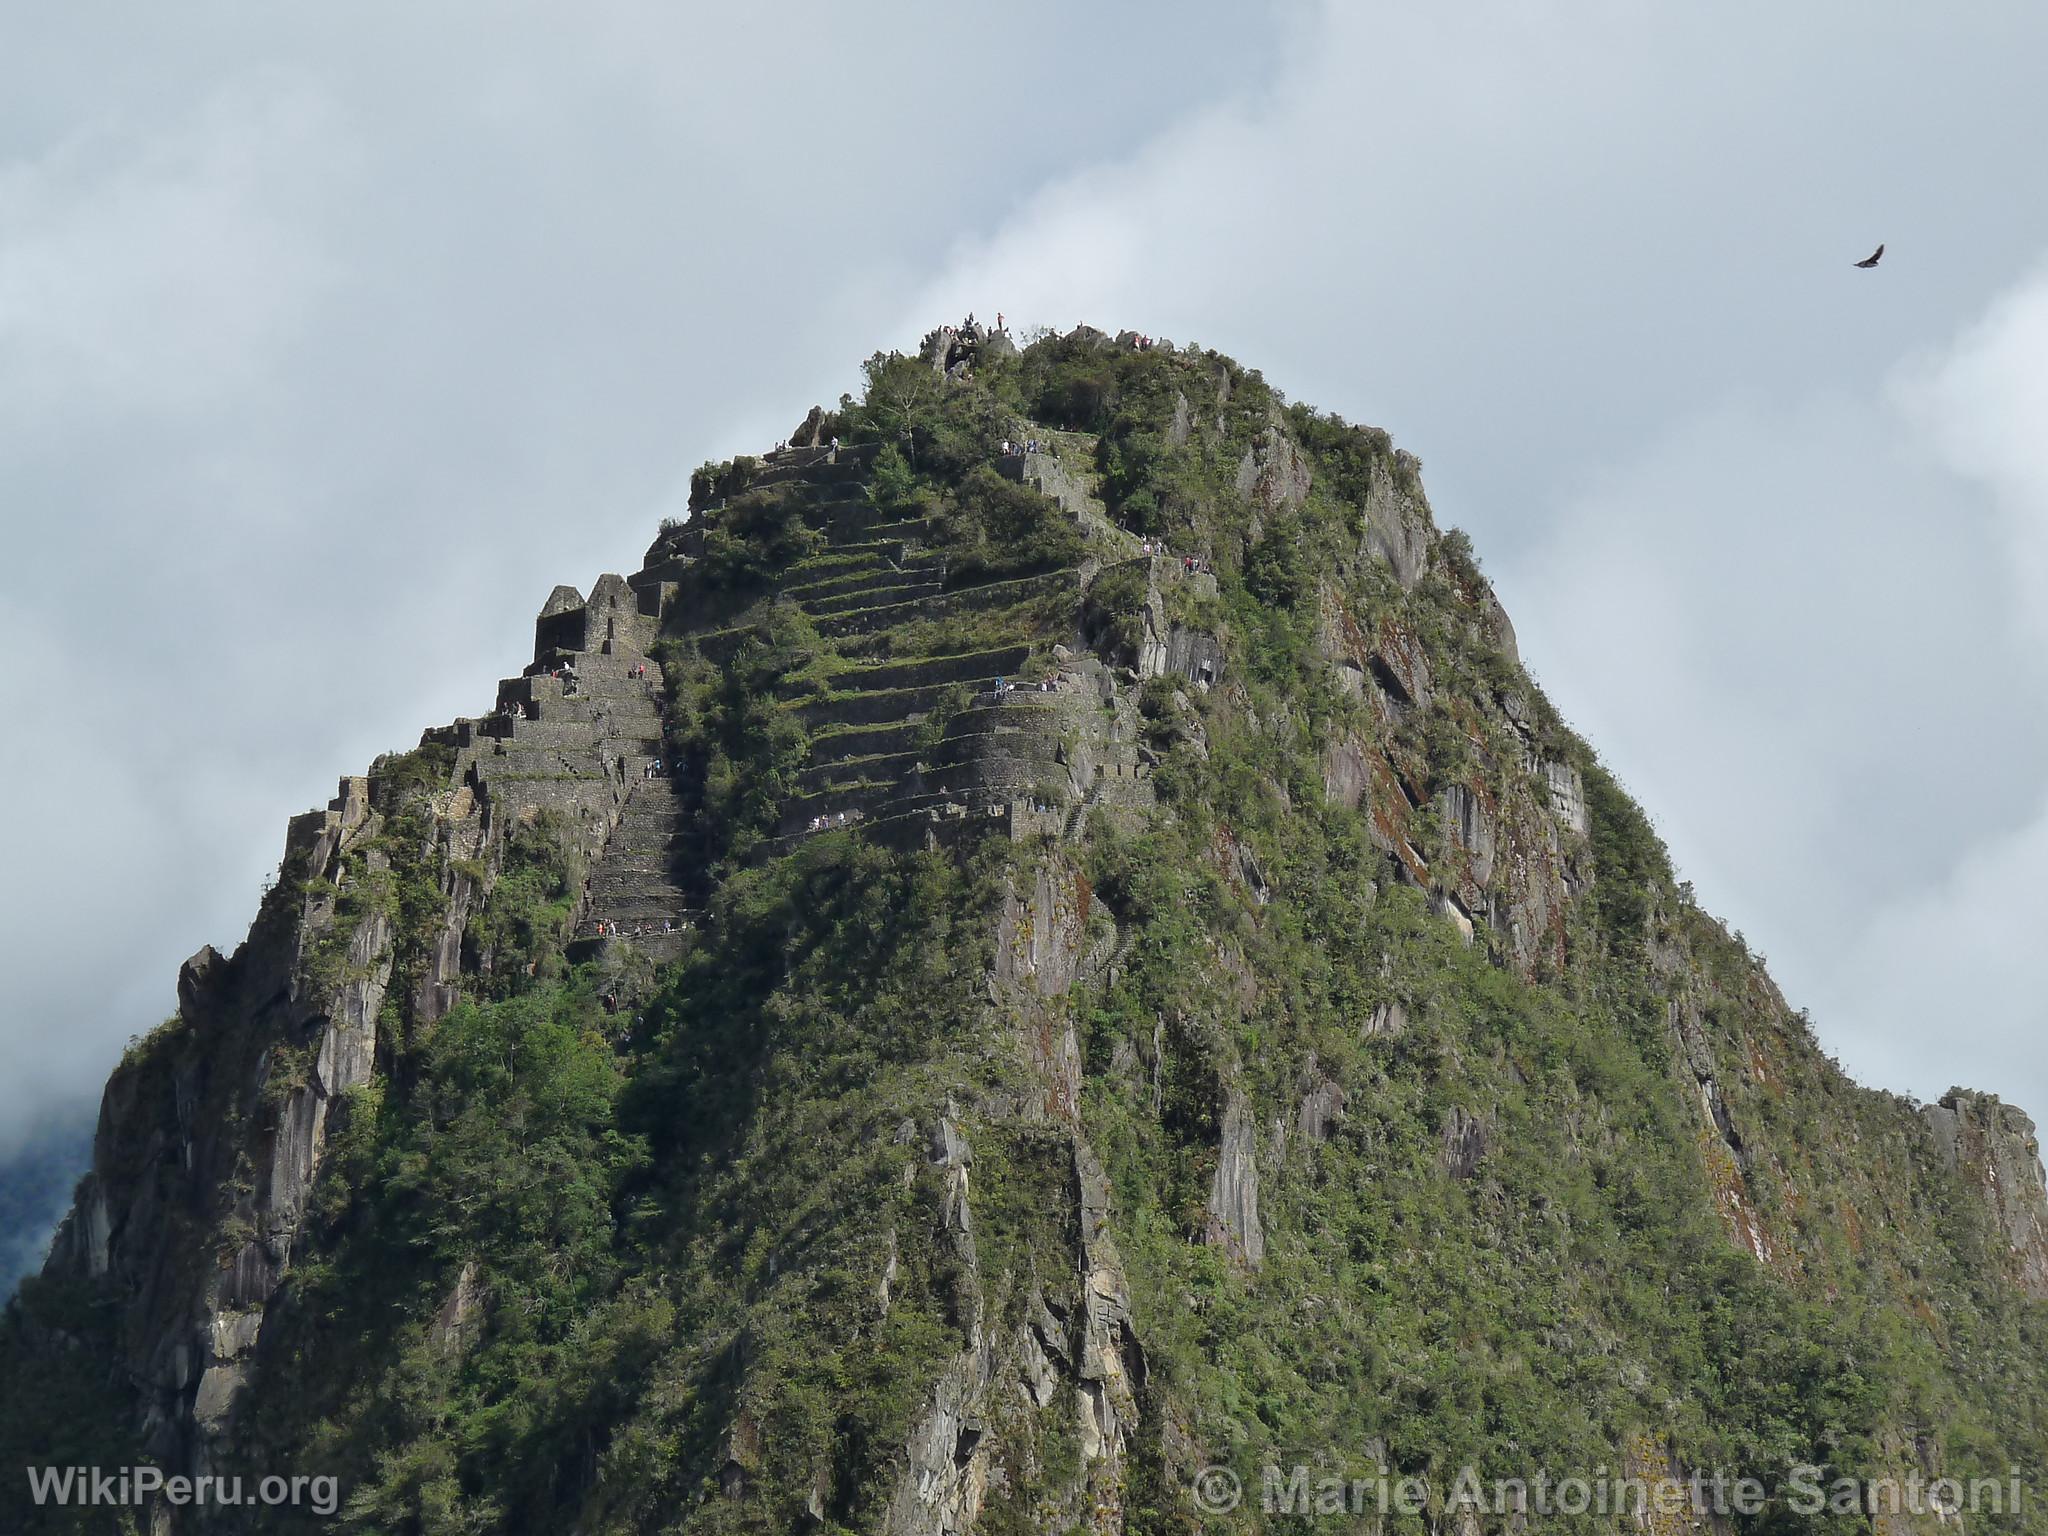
(1044, 942)
(35, 1191)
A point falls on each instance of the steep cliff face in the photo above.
(1043, 941)
(1993, 1146)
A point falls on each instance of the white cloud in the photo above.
(1985, 404)
(162, 272)
(1943, 985)
(1835, 607)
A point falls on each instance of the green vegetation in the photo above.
(519, 936)
(991, 529)
(759, 534)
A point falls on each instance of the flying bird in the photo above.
(1872, 259)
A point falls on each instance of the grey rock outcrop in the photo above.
(1993, 1146)
(1234, 1189)
(1462, 1142)
(1397, 525)
(1273, 475)
(1322, 1111)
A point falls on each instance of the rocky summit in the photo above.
(1041, 966)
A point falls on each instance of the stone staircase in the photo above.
(636, 893)
(576, 735)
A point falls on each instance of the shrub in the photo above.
(992, 527)
(1113, 613)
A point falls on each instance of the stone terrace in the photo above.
(923, 747)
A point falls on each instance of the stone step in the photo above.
(822, 453)
(832, 773)
(945, 822)
(864, 741)
(902, 590)
(659, 859)
(974, 599)
(866, 577)
(658, 889)
(852, 518)
(855, 806)
(877, 807)
(878, 706)
(634, 845)
(832, 562)
(851, 468)
(813, 493)
(637, 888)
(532, 758)
(639, 829)
(1001, 754)
(518, 733)
(641, 742)
(646, 816)
(661, 948)
(615, 663)
(890, 550)
(647, 916)
(970, 780)
(964, 666)
(910, 530)
(655, 895)
(622, 692)
(914, 829)
(644, 831)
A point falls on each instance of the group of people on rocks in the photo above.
(821, 823)
(613, 930)
(654, 769)
(1031, 446)
(1190, 564)
(1004, 685)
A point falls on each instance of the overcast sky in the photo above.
(331, 339)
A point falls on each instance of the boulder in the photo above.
(1234, 1191)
